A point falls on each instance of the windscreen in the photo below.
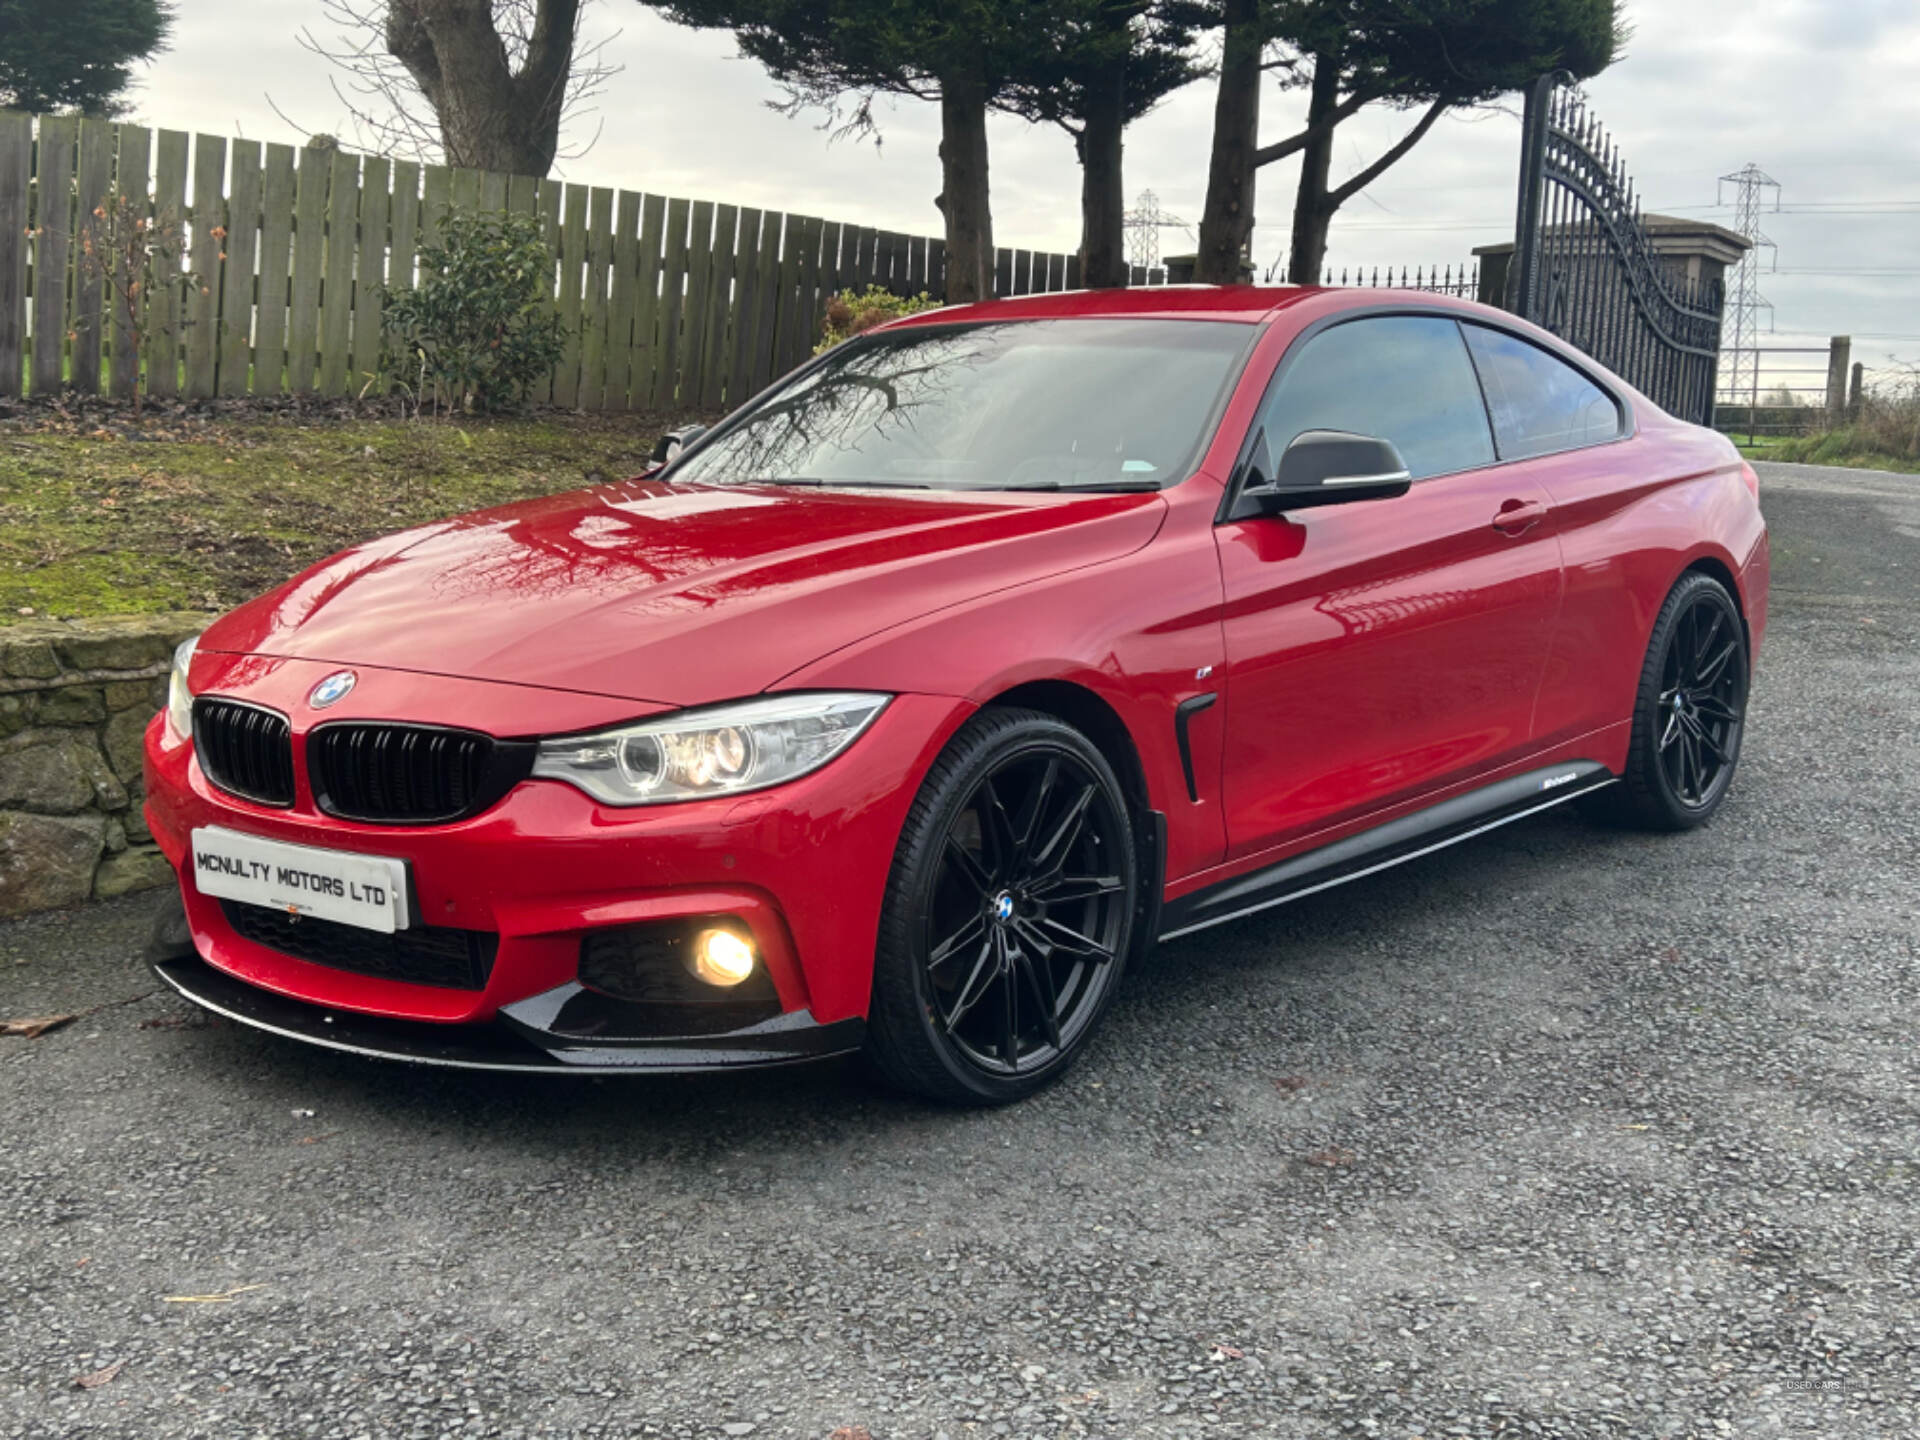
(1012, 405)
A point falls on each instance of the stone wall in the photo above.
(75, 699)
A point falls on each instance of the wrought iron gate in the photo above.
(1585, 268)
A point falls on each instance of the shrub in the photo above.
(479, 330)
(851, 311)
(127, 253)
(1884, 431)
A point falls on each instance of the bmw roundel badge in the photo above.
(331, 689)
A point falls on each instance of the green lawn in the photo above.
(187, 514)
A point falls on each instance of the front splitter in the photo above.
(519, 1046)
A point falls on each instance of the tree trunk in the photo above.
(1312, 207)
(1103, 205)
(489, 117)
(1226, 224)
(963, 198)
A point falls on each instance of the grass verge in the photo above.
(1852, 446)
(202, 512)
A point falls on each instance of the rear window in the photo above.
(1539, 403)
(1013, 405)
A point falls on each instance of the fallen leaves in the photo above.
(851, 1432)
(93, 1380)
(34, 1028)
(1290, 1084)
(222, 1298)
(1334, 1157)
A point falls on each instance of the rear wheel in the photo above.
(1009, 913)
(1689, 715)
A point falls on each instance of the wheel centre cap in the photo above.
(1003, 907)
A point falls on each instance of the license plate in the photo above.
(369, 891)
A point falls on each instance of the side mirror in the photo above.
(1322, 467)
(669, 445)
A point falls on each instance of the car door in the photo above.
(1379, 651)
(1558, 423)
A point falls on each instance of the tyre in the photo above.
(1688, 714)
(170, 938)
(1010, 911)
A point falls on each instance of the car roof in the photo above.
(1246, 303)
(1251, 304)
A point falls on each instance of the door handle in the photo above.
(1516, 517)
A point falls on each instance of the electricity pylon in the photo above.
(1753, 189)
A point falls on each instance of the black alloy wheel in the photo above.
(1703, 695)
(1690, 712)
(1010, 912)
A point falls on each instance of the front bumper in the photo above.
(518, 1039)
(803, 866)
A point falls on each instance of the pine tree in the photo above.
(1088, 65)
(75, 55)
(1434, 55)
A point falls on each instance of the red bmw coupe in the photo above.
(898, 711)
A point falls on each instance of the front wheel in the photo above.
(1009, 913)
(1690, 712)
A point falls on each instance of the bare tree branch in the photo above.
(1293, 144)
(1343, 193)
(489, 83)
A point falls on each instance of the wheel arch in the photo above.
(1090, 714)
(1717, 569)
(1093, 717)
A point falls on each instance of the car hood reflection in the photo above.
(674, 594)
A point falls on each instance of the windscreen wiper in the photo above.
(815, 482)
(1103, 487)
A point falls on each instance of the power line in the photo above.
(1867, 206)
(1857, 335)
(1395, 226)
(1400, 227)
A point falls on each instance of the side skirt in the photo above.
(1393, 843)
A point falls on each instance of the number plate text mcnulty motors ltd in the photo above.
(365, 890)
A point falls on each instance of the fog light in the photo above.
(677, 966)
(722, 957)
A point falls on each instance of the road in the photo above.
(1566, 1133)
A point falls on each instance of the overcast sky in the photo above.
(1819, 93)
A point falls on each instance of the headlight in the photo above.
(179, 697)
(701, 753)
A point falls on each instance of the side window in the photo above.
(1540, 403)
(1404, 378)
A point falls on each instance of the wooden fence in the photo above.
(669, 303)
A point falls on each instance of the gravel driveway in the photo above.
(1562, 1133)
